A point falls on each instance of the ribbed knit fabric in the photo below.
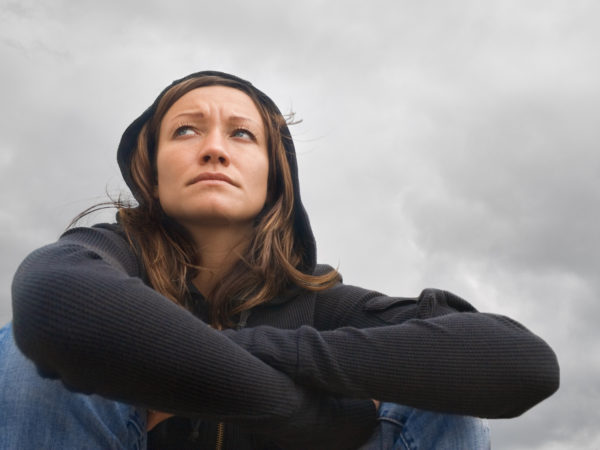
(83, 314)
(441, 355)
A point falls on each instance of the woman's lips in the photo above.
(212, 176)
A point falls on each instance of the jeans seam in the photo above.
(136, 420)
(391, 420)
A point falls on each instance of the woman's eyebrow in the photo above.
(236, 118)
(201, 115)
(190, 114)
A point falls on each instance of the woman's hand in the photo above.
(377, 404)
(155, 417)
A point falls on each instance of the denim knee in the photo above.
(36, 412)
(405, 428)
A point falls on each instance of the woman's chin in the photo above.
(216, 214)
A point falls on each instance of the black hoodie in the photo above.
(301, 375)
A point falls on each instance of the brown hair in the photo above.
(272, 261)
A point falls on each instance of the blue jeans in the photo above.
(405, 428)
(40, 413)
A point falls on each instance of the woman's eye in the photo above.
(184, 131)
(244, 134)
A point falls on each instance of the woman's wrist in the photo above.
(377, 404)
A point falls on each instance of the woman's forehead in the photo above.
(211, 100)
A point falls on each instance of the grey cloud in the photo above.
(525, 177)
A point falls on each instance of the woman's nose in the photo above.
(214, 149)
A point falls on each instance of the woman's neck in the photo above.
(218, 250)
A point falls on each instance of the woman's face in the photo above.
(212, 160)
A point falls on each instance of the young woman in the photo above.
(203, 315)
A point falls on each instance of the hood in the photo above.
(304, 236)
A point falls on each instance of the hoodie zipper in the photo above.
(221, 426)
(220, 436)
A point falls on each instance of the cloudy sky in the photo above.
(443, 144)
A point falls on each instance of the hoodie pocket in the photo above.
(392, 309)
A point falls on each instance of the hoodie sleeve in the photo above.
(434, 352)
(83, 315)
